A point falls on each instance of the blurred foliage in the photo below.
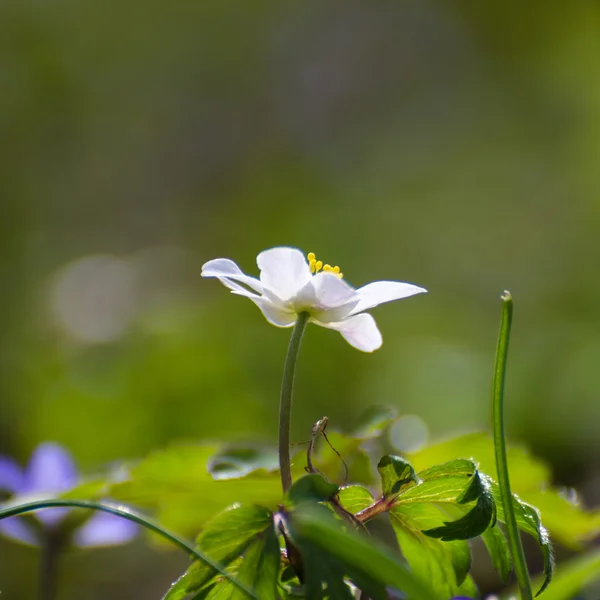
(574, 576)
(453, 145)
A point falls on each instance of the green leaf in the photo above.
(178, 590)
(242, 531)
(310, 488)
(568, 523)
(526, 471)
(443, 564)
(441, 483)
(468, 588)
(217, 591)
(260, 568)
(529, 521)
(177, 485)
(337, 589)
(566, 520)
(457, 482)
(430, 536)
(259, 571)
(372, 567)
(355, 498)
(236, 462)
(471, 525)
(477, 520)
(395, 473)
(322, 569)
(497, 545)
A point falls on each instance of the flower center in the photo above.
(317, 265)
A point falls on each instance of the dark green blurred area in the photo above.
(454, 146)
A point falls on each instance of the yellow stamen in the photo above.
(316, 266)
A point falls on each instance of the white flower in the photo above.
(290, 284)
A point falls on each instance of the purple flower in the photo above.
(51, 471)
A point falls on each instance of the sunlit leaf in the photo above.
(260, 567)
(568, 523)
(477, 520)
(441, 483)
(395, 472)
(434, 518)
(355, 498)
(443, 564)
(216, 591)
(244, 538)
(526, 471)
(529, 521)
(497, 546)
(457, 482)
(177, 485)
(178, 590)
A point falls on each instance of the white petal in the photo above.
(225, 269)
(274, 313)
(274, 298)
(359, 331)
(238, 289)
(327, 297)
(379, 292)
(284, 271)
(333, 315)
(306, 297)
(332, 290)
(229, 274)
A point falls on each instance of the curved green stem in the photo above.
(514, 539)
(125, 513)
(285, 401)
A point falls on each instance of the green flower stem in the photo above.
(514, 540)
(285, 401)
(126, 513)
(53, 544)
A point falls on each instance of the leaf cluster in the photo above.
(324, 539)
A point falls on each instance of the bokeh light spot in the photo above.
(409, 433)
(93, 299)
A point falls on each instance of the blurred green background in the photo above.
(452, 145)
